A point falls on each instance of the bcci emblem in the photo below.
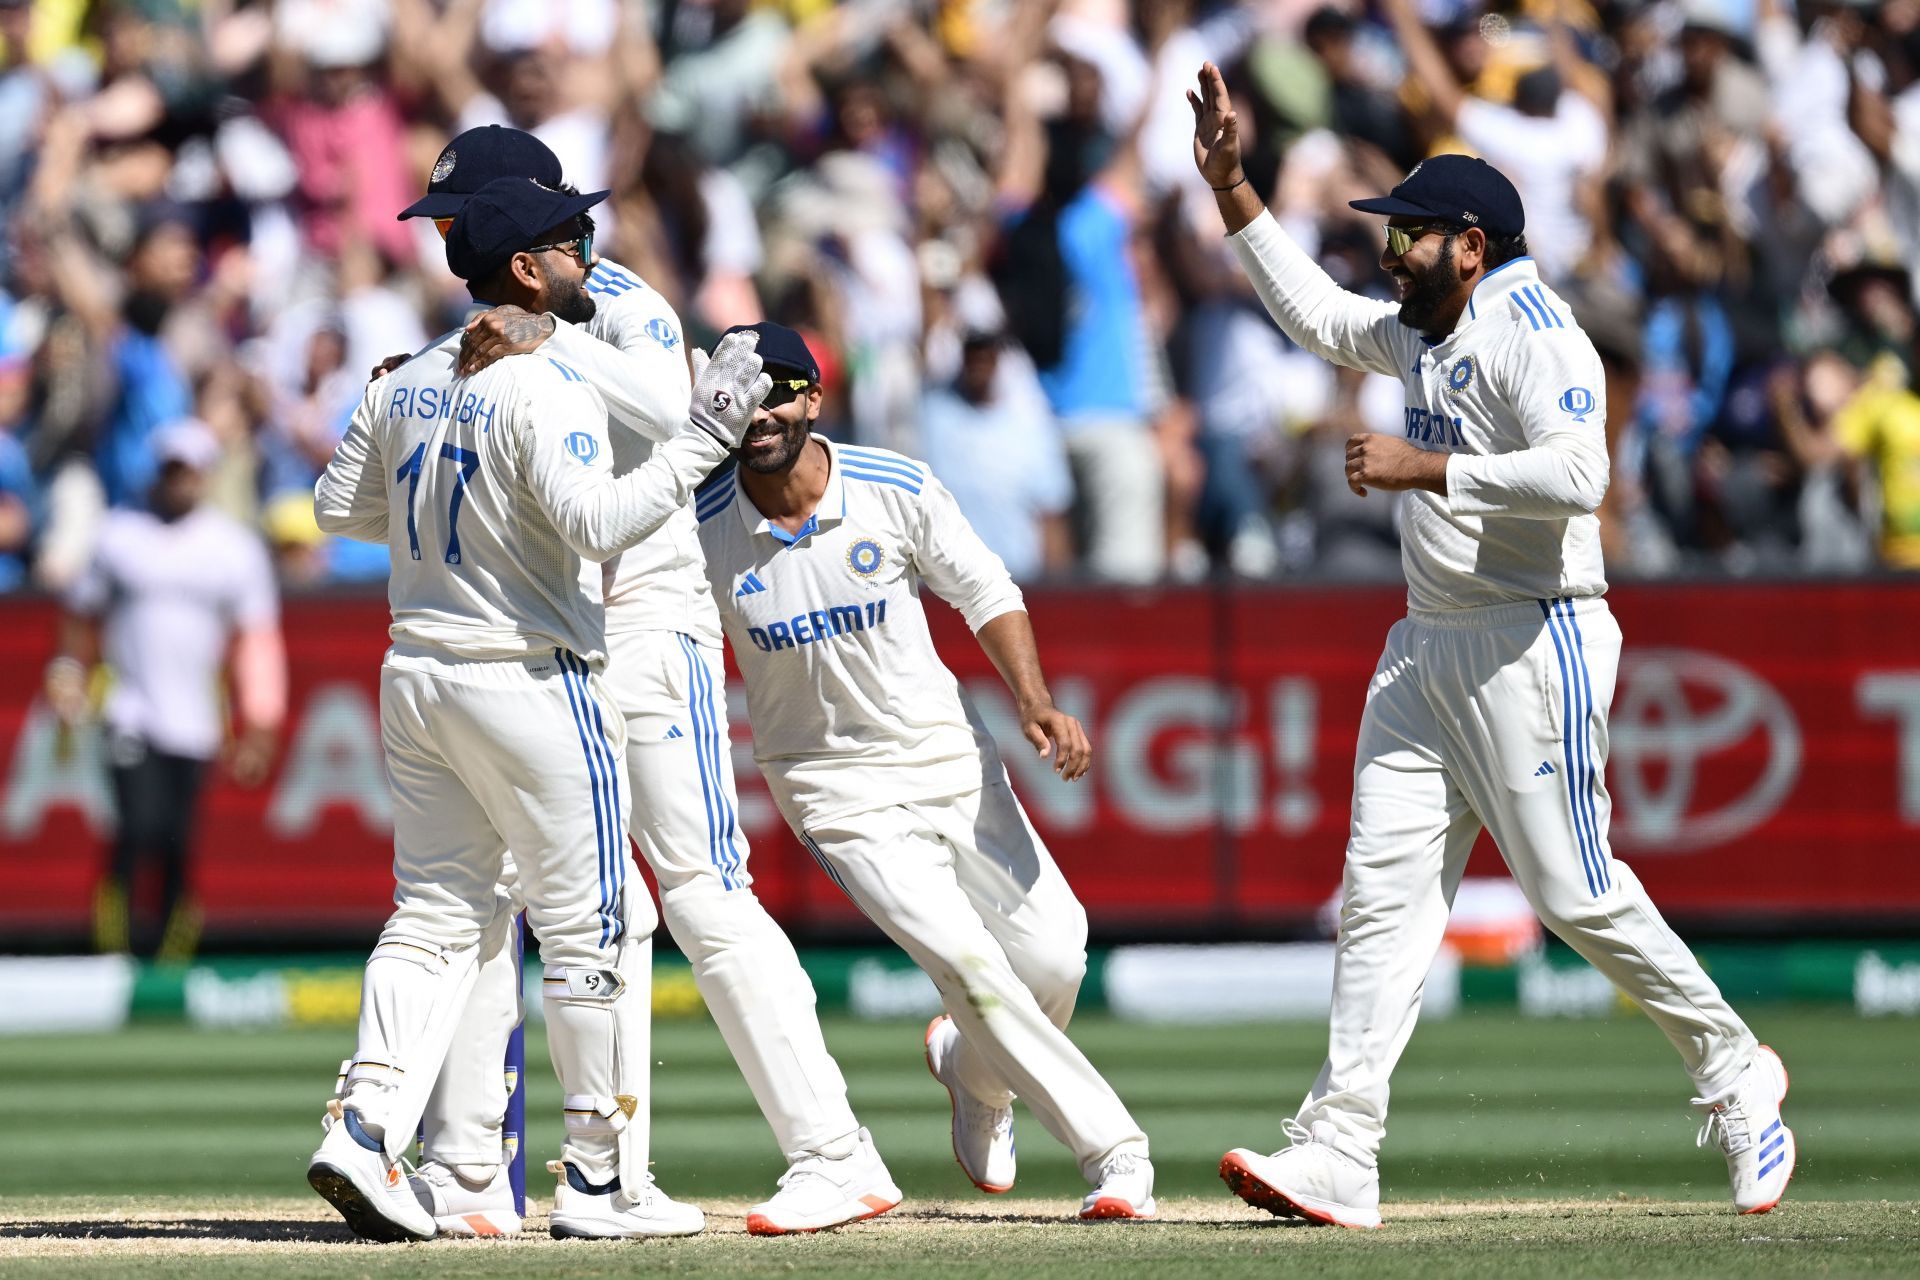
(513, 1078)
(864, 558)
(1460, 377)
(583, 446)
(509, 1147)
(443, 167)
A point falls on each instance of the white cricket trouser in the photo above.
(967, 889)
(480, 756)
(671, 692)
(1496, 717)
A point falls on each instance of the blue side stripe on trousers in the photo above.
(712, 789)
(821, 858)
(1586, 747)
(1580, 730)
(616, 830)
(1569, 747)
(597, 781)
(614, 834)
(722, 746)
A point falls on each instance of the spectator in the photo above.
(991, 440)
(167, 591)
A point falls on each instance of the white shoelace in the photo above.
(1296, 1133)
(1119, 1166)
(1728, 1125)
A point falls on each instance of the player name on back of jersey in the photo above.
(441, 402)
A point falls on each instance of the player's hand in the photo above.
(1216, 129)
(498, 333)
(66, 690)
(252, 757)
(1390, 463)
(387, 366)
(727, 387)
(1054, 732)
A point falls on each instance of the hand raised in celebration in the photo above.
(1216, 130)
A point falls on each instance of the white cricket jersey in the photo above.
(496, 495)
(852, 709)
(633, 353)
(1515, 394)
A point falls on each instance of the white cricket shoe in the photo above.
(1125, 1190)
(817, 1192)
(1310, 1180)
(352, 1173)
(463, 1207)
(612, 1212)
(982, 1135)
(1745, 1123)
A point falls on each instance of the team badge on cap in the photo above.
(864, 558)
(443, 167)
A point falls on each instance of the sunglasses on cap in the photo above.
(1400, 239)
(785, 389)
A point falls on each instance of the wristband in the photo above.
(1231, 185)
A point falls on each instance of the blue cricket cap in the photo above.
(477, 157)
(1459, 189)
(781, 348)
(503, 218)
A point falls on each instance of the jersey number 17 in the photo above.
(468, 461)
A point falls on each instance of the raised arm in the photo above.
(1424, 58)
(1302, 299)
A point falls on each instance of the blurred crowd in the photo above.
(985, 216)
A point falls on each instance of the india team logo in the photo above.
(1577, 401)
(583, 446)
(864, 558)
(1460, 377)
(443, 167)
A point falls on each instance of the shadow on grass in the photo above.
(261, 1229)
(988, 1218)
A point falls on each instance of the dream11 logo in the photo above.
(1703, 751)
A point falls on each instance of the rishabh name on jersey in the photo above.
(661, 584)
(851, 707)
(450, 450)
(1460, 399)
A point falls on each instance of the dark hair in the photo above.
(1504, 249)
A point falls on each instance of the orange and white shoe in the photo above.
(1745, 1124)
(465, 1205)
(1310, 1180)
(982, 1135)
(1125, 1190)
(352, 1173)
(818, 1191)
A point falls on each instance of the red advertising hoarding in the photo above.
(1765, 763)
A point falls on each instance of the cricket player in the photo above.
(496, 495)
(666, 675)
(1489, 705)
(816, 554)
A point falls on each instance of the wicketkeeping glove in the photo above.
(727, 387)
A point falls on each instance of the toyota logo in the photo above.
(1703, 750)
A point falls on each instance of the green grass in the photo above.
(1490, 1115)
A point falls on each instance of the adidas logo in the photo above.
(673, 731)
(1543, 770)
(752, 586)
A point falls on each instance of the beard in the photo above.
(569, 300)
(783, 452)
(1431, 289)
